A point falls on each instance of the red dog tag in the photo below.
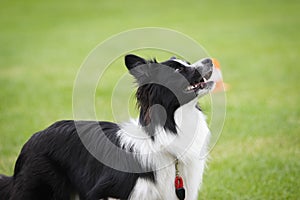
(180, 192)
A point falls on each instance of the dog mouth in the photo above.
(196, 86)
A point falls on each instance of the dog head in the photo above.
(167, 85)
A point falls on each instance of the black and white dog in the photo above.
(136, 160)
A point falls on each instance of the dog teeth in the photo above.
(191, 87)
(200, 85)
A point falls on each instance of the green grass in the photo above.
(43, 43)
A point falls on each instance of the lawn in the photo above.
(43, 44)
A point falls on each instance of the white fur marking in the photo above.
(189, 146)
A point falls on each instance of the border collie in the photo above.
(161, 155)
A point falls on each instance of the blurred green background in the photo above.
(43, 43)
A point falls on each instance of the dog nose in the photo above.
(206, 68)
(208, 62)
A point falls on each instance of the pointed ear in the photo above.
(132, 61)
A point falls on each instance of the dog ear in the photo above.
(131, 62)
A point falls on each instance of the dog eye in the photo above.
(179, 69)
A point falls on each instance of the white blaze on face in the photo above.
(182, 62)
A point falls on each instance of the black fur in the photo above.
(5, 186)
(54, 164)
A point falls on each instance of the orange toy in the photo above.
(217, 77)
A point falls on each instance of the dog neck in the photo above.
(158, 116)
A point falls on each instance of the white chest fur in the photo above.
(189, 146)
